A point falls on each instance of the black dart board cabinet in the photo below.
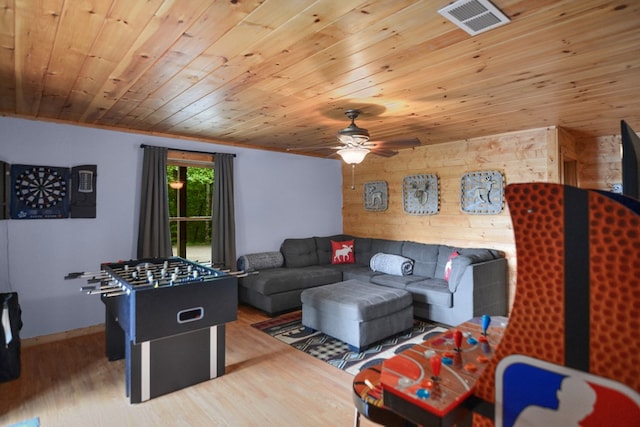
(48, 192)
(39, 192)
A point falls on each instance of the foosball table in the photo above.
(166, 317)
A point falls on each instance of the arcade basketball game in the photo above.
(565, 356)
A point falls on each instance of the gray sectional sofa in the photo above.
(477, 282)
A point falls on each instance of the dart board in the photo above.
(39, 192)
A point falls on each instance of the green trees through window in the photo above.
(190, 191)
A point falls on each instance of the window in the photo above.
(190, 180)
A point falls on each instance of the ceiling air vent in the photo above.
(474, 16)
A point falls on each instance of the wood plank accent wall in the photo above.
(526, 156)
(599, 162)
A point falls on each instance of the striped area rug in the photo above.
(288, 328)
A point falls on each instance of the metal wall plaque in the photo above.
(376, 196)
(420, 194)
(482, 192)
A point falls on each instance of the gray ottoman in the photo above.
(357, 313)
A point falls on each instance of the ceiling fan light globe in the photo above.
(353, 155)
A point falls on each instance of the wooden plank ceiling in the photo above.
(276, 74)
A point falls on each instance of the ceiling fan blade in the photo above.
(382, 152)
(314, 147)
(397, 143)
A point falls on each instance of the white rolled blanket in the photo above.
(391, 264)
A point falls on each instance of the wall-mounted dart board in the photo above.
(39, 192)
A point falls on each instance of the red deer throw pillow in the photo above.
(342, 252)
(447, 266)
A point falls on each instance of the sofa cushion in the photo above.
(399, 282)
(277, 280)
(323, 247)
(357, 272)
(386, 246)
(342, 252)
(466, 258)
(424, 256)
(355, 300)
(362, 249)
(391, 264)
(431, 291)
(299, 252)
(260, 260)
(480, 254)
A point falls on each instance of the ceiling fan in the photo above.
(356, 144)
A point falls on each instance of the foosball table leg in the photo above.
(114, 338)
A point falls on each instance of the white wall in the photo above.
(277, 196)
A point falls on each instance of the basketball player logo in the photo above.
(532, 392)
(575, 401)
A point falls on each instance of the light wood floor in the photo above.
(267, 383)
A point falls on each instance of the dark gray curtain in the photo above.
(154, 236)
(223, 227)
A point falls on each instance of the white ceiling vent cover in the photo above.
(474, 16)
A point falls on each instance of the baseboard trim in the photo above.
(60, 336)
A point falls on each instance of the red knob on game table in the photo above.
(436, 364)
(457, 339)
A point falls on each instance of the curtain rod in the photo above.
(186, 151)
